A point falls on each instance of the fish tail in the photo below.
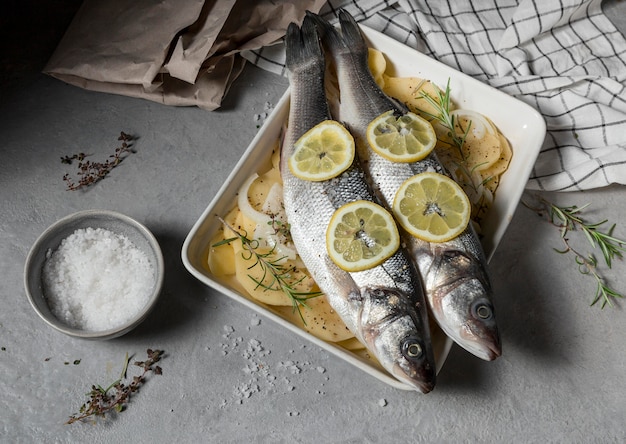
(292, 41)
(328, 33)
(302, 45)
(351, 32)
(349, 39)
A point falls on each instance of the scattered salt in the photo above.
(260, 118)
(259, 376)
(97, 280)
(382, 402)
(291, 366)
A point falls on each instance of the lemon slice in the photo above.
(323, 152)
(432, 207)
(407, 138)
(361, 235)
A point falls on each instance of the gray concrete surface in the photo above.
(231, 376)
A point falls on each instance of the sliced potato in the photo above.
(409, 90)
(324, 322)
(377, 64)
(244, 226)
(276, 159)
(479, 151)
(351, 344)
(260, 283)
(221, 259)
(503, 161)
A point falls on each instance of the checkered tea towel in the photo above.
(563, 57)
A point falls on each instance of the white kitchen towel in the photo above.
(563, 57)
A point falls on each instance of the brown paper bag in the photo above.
(176, 52)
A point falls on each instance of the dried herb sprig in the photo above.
(116, 396)
(91, 172)
(568, 219)
(276, 276)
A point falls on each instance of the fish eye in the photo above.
(412, 349)
(482, 310)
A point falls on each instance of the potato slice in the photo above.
(351, 344)
(221, 259)
(408, 90)
(276, 161)
(323, 322)
(503, 161)
(480, 150)
(377, 64)
(259, 282)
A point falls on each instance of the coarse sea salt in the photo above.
(97, 280)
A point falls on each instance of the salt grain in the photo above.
(260, 376)
(97, 280)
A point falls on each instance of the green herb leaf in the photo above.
(442, 103)
(570, 219)
(281, 278)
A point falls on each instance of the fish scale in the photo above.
(384, 306)
(454, 273)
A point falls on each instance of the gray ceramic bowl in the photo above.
(50, 241)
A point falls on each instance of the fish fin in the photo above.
(358, 47)
(327, 32)
(302, 44)
(352, 36)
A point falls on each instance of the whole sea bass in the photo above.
(454, 273)
(384, 306)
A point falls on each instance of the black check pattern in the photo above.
(563, 57)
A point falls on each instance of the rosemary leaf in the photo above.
(273, 268)
(569, 219)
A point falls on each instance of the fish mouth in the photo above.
(425, 387)
(486, 347)
(491, 352)
(424, 384)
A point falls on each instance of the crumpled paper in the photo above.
(176, 52)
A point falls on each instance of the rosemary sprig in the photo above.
(568, 219)
(91, 172)
(275, 275)
(442, 103)
(116, 396)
